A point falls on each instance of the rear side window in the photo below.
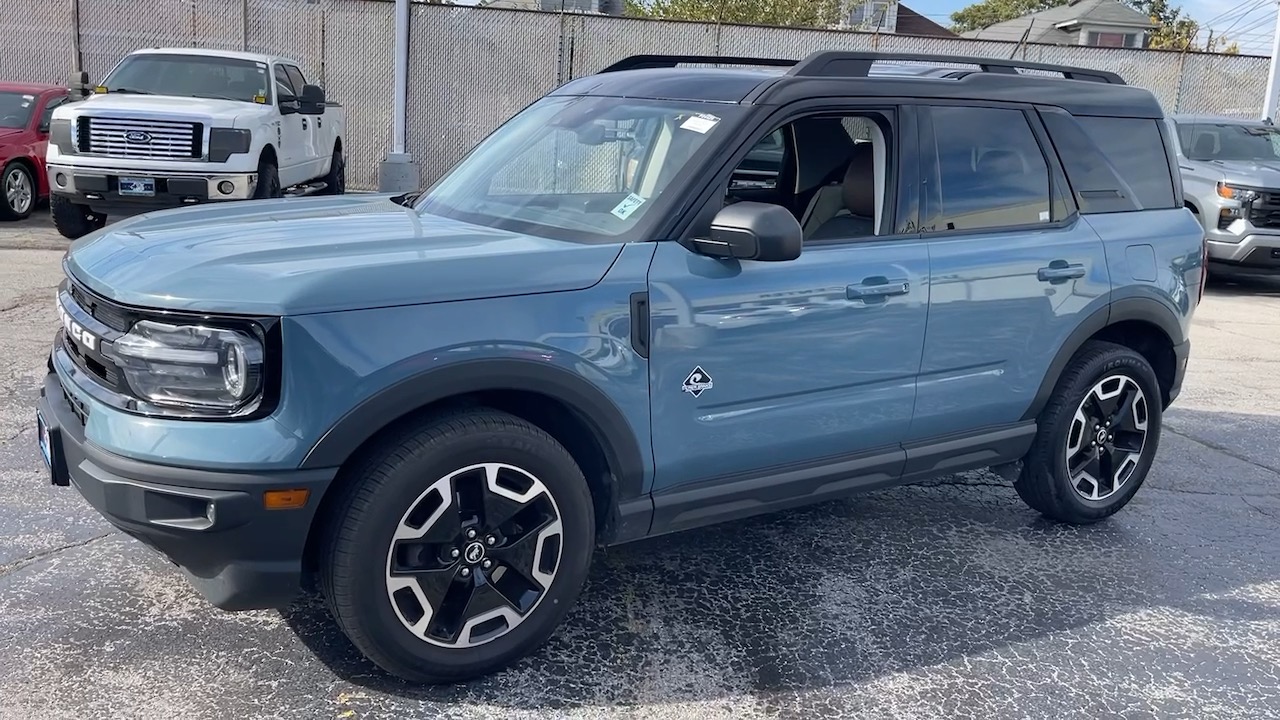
(1136, 150)
(990, 169)
(1096, 175)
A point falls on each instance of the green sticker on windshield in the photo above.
(628, 205)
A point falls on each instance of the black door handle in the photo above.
(304, 123)
(1060, 271)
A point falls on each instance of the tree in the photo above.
(1173, 31)
(786, 13)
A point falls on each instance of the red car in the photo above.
(24, 132)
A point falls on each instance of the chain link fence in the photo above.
(470, 68)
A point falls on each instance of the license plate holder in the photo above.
(136, 186)
(45, 440)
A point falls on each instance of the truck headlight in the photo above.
(60, 136)
(225, 142)
(206, 370)
(1232, 192)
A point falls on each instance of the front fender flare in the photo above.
(607, 422)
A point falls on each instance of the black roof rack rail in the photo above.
(644, 62)
(840, 63)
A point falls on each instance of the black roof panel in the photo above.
(700, 84)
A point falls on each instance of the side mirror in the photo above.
(753, 231)
(43, 128)
(78, 85)
(312, 99)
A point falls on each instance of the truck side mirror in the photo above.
(78, 85)
(312, 99)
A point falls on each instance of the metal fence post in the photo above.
(397, 173)
(1182, 79)
(77, 59)
(244, 25)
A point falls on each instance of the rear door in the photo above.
(1013, 268)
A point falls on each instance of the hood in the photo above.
(310, 255)
(163, 107)
(1253, 173)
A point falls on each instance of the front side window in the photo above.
(991, 171)
(579, 168)
(191, 76)
(284, 85)
(16, 109)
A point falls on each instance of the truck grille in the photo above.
(1265, 211)
(146, 139)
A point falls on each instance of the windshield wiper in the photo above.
(221, 97)
(408, 199)
(130, 91)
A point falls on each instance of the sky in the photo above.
(1248, 22)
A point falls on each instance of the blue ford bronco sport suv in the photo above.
(595, 329)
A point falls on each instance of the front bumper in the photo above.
(213, 525)
(99, 188)
(1253, 250)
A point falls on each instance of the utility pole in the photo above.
(398, 173)
(1273, 77)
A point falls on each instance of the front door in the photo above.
(772, 381)
(293, 138)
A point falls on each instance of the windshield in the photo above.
(580, 168)
(1229, 141)
(16, 109)
(191, 76)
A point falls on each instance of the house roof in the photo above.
(1053, 25)
(911, 22)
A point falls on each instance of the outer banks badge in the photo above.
(697, 382)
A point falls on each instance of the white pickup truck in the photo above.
(171, 127)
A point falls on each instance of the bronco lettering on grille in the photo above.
(75, 330)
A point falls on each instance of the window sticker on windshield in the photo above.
(629, 205)
(700, 122)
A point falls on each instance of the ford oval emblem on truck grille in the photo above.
(137, 136)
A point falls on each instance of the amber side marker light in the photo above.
(285, 499)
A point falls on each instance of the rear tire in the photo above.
(336, 180)
(1097, 437)
(421, 570)
(74, 221)
(268, 181)
(17, 192)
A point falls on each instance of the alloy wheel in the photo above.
(474, 555)
(1107, 437)
(18, 192)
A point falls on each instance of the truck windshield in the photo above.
(198, 76)
(581, 168)
(1229, 141)
(16, 109)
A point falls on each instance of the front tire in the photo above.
(74, 221)
(17, 192)
(458, 546)
(268, 181)
(1097, 437)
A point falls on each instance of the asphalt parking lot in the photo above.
(943, 600)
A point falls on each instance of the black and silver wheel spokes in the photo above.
(1107, 437)
(474, 555)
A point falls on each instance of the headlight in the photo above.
(60, 135)
(1231, 192)
(204, 369)
(225, 142)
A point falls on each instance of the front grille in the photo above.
(80, 409)
(146, 139)
(1265, 211)
(108, 315)
(101, 368)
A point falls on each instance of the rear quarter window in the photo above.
(1127, 172)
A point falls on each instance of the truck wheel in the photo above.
(74, 221)
(336, 180)
(458, 546)
(17, 192)
(268, 181)
(1097, 437)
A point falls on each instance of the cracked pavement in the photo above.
(948, 599)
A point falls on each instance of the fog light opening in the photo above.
(60, 179)
(226, 187)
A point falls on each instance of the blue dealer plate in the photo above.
(137, 187)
